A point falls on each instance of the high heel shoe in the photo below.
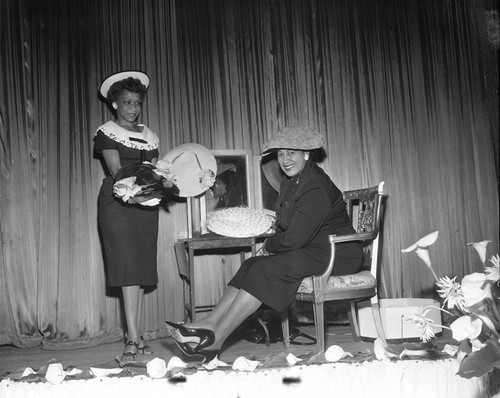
(129, 356)
(202, 337)
(208, 355)
(143, 348)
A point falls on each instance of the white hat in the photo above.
(194, 167)
(116, 77)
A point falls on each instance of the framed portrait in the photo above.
(234, 183)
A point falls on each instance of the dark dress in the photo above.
(309, 208)
(129, 232)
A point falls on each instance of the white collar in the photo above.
(146, 139)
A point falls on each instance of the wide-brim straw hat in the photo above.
(116, 77)
(294, 137)
(194, 167)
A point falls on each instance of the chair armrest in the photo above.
(352, 237)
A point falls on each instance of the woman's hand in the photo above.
(263, 251)
(144, 201)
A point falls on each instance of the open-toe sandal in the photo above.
(143, 348)
(129, 356)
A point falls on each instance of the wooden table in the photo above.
(185, 250)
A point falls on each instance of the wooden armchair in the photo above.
(364, 208)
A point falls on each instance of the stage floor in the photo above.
(13, 359)
(356, 376)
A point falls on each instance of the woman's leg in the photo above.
(219, 310)
(131, 296)
(242, 306)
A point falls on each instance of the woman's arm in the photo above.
(112, 159)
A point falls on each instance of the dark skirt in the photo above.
(274, 279)
(129, 236)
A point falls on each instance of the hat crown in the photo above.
(294, 137)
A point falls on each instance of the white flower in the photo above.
(176, 363)
(242, 363)
(55, 373)
(424, 323)
(473, 288)
(426, 241)
(156, 368)
(451, 292)
(126, 188)
(215, 363)
(163, 164)
(292, 359)
(207, 178)
(476, 344)
(420, 247)
(466, 327)
(335, 353)
(163, 169)
(493, 272)
(480, 248)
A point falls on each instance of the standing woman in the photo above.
(129, 232)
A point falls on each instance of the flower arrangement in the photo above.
(473, 304)
(144, 183)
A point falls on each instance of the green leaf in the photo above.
(481, 362)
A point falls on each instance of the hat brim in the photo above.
(189, 162)
(223, 167)
(272, 172)
(116, 77)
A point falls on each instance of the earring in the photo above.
(306, 156)
(115, 106)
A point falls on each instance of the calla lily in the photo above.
(474, 289)
(420, 248)
(480, 248)
(466, 327)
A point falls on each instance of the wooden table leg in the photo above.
(192, 286)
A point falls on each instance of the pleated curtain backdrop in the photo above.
(397, 87)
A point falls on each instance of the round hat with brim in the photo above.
(295, 137)
(116, 77)
(194, 168)
(272, 172)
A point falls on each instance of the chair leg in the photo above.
(285, 327)
(353, 321)
(319, 320)
(377, 318)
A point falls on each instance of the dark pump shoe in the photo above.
(204, 337)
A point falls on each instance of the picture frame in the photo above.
(234, 186)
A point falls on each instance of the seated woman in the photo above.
(309, 208)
